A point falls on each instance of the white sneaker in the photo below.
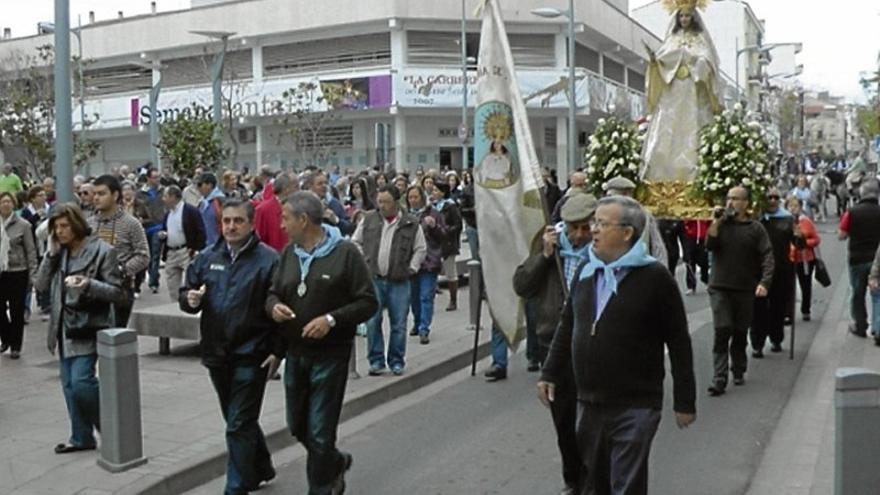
(691, 292)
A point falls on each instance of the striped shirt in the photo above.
(126, 235)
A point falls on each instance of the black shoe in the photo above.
(534, 365)
(758, 354)
(776, 348)
(877, 340)
(155, 290)
(739, 380)
(63, 448)
(787, 321)
(339, 484)
(806, 316)
(424, 340)
(413, 332)
(495, 373)
(716, 389)
(15, 354)
(4, 348)
(858, 333)
(264, 480)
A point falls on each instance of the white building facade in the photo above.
(389, 71)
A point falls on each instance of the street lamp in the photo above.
(552, 13)
(155, 66)
(217, 69)
(49, 28)
(763, 51)
(63, 120)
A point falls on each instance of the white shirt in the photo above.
(176, 236)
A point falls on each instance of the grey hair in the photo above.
(306, 203)
(280, 183)
(869, 189)
(631, 214)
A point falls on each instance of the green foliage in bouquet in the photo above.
(615, 148)
(733, 152)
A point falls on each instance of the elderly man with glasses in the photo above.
(741, 250)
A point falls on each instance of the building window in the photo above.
(443, 48)
(337, 53)
(586, 57)
(613, 70)
(191, 71)
(636, 81)
(550, 137)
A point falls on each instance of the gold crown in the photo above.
(676, 5)
(497, 126)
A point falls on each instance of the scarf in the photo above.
(332, 238)
(566, 250)
(779, 213)
(4, 244)
(637, 256)
(441, 203)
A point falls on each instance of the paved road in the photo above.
(470, 437)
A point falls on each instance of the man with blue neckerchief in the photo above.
(538, 279)
(623, 311)
(321, 291)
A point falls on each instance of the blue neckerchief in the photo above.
(637, 256)
(332, 238)
(417, 212)
(441, 203)
(567, 251)
(779, 213)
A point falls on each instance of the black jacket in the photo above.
(234, 323)
(538, 277)
(743, 257)
(193, 230)
(338, 284)
(864, 231)
(621, 363)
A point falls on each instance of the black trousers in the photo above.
(805, 280)
(564, 412)
(695, 256)
(615, 443)
(13, 286)
(770, 312)
(731, 317)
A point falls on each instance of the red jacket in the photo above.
(697, 229)
(811, 237)
(267, 224)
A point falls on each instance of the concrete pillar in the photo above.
(258, 130)
(562, 167)
(857, 437)
(400, 161)
(257, 63)
(121, 436)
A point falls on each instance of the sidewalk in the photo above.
(182, 425)
(799, 460)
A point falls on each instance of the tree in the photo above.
(27, 112)
(191, 140)
(306, 128)
(787, 115)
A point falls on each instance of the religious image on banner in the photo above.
(498, 163)
(507, 176)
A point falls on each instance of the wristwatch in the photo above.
(330, 320)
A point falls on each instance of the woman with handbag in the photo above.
(804, 258)
(83, 274)
(18, 262)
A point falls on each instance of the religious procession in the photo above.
(653, 233)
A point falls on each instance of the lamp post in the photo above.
(63, 120)
(463, 129)
(551, 13)
(762, 50)
(217, 70)
(155, 66)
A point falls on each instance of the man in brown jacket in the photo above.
(538, 278)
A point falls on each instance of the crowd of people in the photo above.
(292, 265)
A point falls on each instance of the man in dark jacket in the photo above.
(860, 226)
(742, 270)
(611, 336)
(393, 246)
(334, 212)
(770, 311)
(152, 198)
(183, 234)
(321, 291)
(229, 284)
(538, 278)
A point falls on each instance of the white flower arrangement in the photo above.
(733, 151)
(618, 152)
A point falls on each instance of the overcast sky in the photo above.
(840, 38)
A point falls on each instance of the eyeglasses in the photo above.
(603, 225)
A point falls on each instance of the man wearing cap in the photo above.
(537, 278)
(860, 226)
(621, 186)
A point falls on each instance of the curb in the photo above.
(200, 469)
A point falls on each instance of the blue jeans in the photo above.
(80, 387)
(424, 287)
(155, 245)
(473, 241)
(393, 296)
(240, 388)
(858, 281)
(314, 390)
(499, 348)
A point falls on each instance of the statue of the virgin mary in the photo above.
(684, 91)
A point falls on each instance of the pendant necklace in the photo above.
(301, 289)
